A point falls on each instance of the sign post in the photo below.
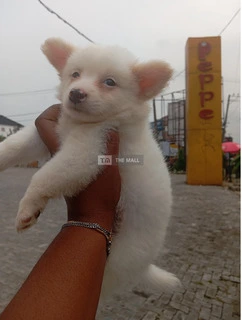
(203, 111)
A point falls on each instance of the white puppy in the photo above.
(103, 88)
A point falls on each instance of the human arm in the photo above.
(66, 281)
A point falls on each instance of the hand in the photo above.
(98, 201)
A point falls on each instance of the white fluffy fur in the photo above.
(146, 197)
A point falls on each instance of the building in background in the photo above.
(169, 130)
(8, 126)
(176, 122)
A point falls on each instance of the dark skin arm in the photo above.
(66, 281)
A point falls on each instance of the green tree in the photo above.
(180, 164)
(236, 166)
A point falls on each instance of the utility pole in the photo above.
(226, 118)
(155, 121)
(229, 101)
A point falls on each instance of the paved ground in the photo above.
(202, 249)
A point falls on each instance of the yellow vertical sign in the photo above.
(203, 111)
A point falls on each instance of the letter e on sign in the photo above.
(206, 114)
(205, 66)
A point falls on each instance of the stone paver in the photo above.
(202, 249)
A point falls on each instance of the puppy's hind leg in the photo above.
(21, 148)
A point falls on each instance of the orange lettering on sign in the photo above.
(206, 114)
(205, 96)
(205, 78)
(205, 66)
(204, 48)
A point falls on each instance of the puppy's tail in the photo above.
(160, 280)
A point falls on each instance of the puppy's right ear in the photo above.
(57, 51)
(152, 77)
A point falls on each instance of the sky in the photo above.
(151, 29)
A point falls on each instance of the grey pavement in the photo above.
(202, 249)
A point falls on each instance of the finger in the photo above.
(113, 143)
(46, 126)
(52, 113)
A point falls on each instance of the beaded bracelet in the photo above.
(95, 226)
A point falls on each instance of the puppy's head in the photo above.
(100, 83)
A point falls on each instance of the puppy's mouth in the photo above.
(88, 107)
(79, 107)
(85, 111)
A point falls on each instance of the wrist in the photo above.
(93, 226)
(103, 218)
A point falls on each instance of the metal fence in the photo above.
(169, 125)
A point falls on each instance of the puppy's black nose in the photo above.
(77, 96)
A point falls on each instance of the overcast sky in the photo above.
(149, 28)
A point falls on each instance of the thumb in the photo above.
(113, 143)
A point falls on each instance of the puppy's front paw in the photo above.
(28, 213)
(25, 220)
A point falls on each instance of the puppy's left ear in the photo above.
(152, 77)
(57, 52)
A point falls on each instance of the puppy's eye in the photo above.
(110, 82)
(75, 74)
